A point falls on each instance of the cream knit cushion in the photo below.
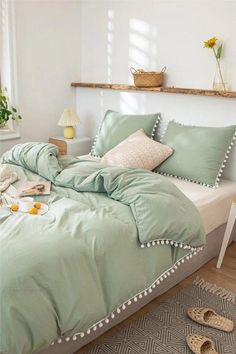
(7, 177)
(137, 151)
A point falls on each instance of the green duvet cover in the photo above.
(110, 235)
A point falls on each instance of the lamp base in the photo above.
(69, 132)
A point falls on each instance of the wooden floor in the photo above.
(225, 277)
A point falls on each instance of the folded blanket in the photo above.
(7, 177)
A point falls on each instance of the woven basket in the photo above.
(148, 78)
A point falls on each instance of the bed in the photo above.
(214, 206)
(62, 309)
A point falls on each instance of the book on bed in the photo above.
(33, 188)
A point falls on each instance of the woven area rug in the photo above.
(163, 330)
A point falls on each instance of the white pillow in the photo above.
(137, 151)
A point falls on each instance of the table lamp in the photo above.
(69, 120)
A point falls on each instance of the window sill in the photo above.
(9, 135)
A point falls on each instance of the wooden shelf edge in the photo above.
(177, 90)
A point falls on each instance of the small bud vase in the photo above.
(220, 81)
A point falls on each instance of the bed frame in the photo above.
(211, 250)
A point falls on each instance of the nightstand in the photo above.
(228, 232)
(76, 146)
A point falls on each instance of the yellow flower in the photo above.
(210, 43)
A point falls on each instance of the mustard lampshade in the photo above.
(69, 120)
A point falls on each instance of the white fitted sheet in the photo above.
(213, 204)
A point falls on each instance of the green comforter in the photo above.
(63, 272)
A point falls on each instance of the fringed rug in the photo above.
(163, 330)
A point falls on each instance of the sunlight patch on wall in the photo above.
(142, 45)
(110, 38)
(142, 52)
(132, 103)
(141, 42)
(139, 26)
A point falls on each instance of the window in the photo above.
(8, 62)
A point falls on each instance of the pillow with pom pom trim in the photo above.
(117, 126)
(200, 152)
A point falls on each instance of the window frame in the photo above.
(8, 64)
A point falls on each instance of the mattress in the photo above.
(213, 204)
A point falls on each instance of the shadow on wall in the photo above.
(142, 45)
(142, 53)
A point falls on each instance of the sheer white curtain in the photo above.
(7, 52)
(1, 40)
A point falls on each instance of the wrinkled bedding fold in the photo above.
(160, 209)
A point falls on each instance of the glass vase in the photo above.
(220, 79)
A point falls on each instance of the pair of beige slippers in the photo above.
(207, 317)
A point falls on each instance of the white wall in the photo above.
(116, 35)
(48, 59)
(60, 41)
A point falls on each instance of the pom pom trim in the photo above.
(92, 152)
(135, 298)
(154, 129)
(168, 242)
(222, 167)
(220, 172)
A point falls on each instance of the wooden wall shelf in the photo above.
(186, 91)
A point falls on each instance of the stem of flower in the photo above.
(219, 68)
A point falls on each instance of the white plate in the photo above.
(43, 210)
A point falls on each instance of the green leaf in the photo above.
(219, 51)
(6, 111)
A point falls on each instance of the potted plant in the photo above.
(7, 111)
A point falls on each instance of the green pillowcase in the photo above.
(200, 153)
(117, 126)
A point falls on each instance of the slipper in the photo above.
(209, 317)
(200, 345)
